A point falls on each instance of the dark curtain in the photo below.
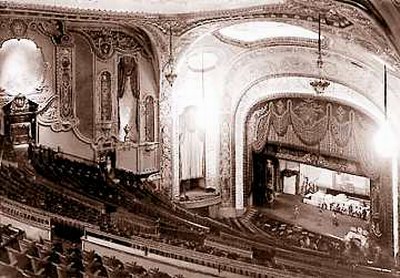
(128, 67)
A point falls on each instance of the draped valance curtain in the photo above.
(338, 129)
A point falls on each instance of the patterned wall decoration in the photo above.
(225, 167)
(149, 119)
(106, 101)
(65, 88)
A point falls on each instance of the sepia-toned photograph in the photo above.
(199, 138)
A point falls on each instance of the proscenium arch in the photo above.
(265, 89)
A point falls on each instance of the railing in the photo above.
(134, 222)
(37, 217)
(178, 253)
(201, 202)
(26, 214)
(221, 245)
(142, 158)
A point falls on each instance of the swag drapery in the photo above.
(313, 120)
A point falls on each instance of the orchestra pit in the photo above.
(225, 138)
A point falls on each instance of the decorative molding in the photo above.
(65, 89)
(107, 41)
(271, 42)
(106, 96)
(18, 28)
(149, 115)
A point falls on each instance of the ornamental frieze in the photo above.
(19, 27)
(107, 41)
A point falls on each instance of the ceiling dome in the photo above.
(260, 30)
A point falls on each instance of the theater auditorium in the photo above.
(176, 138)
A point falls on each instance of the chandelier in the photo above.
(321, 83)
(169, 68)
(386, 142)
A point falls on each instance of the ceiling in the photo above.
(153, 6)
(355, 54)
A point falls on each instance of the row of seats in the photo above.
(62, 259)
(175, 226)
(90, 180)
(17, 186)
(346, 251)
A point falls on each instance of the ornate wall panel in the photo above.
(65, 80)
(149, 119)
(106, 96)
(84, 85)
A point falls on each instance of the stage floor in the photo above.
(310, 218)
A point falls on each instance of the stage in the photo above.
(310, 217)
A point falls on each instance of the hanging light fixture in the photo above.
(169, 68)
(385, 140)
(321, 83)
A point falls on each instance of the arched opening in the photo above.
(309, 161)
(22, 73)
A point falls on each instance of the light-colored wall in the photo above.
(67, 141)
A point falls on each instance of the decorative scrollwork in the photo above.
(107, 41)
(65, 90)
(18, 28)
(49, 112)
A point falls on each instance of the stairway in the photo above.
(245, 220)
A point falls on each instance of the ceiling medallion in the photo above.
(321, 83)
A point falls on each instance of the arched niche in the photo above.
(22, 67)
(23, 77)
(18, 32)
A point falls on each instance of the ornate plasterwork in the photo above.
(190, 27)
(166, 166)
(106, 96)
(280, 62)
(337, 15)
(271, 42)
(296, 60)
(106, 42)
(56, 106)
(65, 80)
